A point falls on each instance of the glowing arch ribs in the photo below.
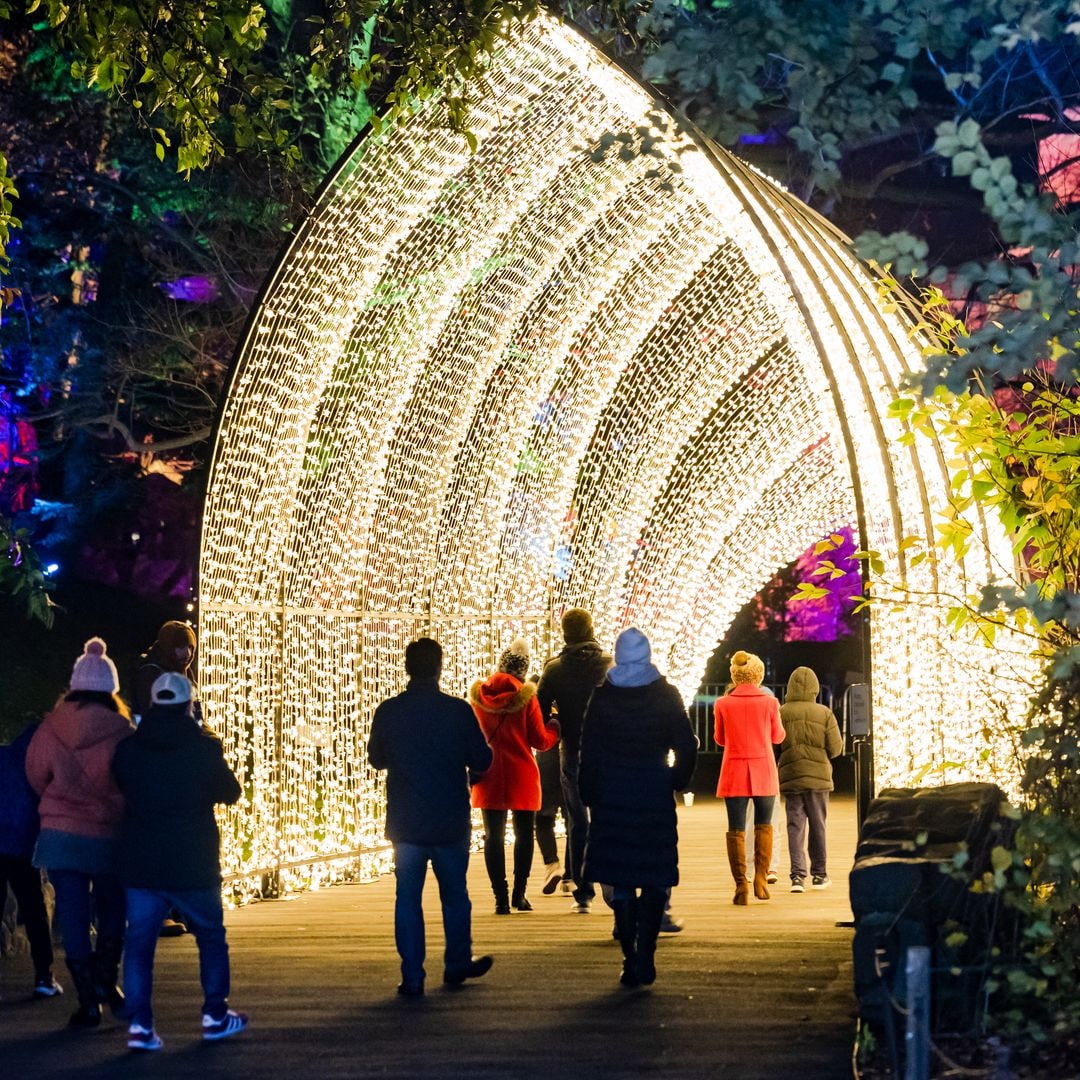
(596, 362)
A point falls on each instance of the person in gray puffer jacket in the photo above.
(806, 775)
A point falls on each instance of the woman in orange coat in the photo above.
(747, 727)
(513, 725)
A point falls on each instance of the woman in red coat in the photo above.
(747, 727)
(512, 723)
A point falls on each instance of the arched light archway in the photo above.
(597, 362)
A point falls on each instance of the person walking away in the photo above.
(18, 834)
(634, 719)
(428, 742)
(551, 800)
(747, 726)
(567, 683)
(510, 718)
(812, 739)
(173, 650)
(68, 766)
(172, 773)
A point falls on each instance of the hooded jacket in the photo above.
(747, 727)
(172, 773)
(68, 765)
(568, 681)
(510, 718)
(813, 736)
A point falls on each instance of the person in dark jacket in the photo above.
(567, 682)
(812, 738)
(428, 742)
(18, 834)
(172, 773)
(632, 722)
(173, 650)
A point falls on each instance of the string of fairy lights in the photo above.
(593, 363)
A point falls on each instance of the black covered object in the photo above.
(901, 896)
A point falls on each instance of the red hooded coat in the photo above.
(747, 726)
(511, 720)
(69, 764)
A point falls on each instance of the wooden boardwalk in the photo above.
(744, 993)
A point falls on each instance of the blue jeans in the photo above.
(201, 909)
(450, 862)
(736, 810)
(82, 899)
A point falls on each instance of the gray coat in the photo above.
(813, 736)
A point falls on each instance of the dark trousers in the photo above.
(450, 863)
(495, 846)
(201, 910)
(577, 825)
(25, 881)
(806, 812)
(736, 810)
(551, 802)
(82, 899)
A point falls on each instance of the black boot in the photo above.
(106, 967)
(626, 930)
(519, 900)
(88, 1014)
(650, 915)
(502, 897)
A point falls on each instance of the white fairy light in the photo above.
(559, 371)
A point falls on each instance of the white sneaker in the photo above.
(140, 1038)
(552, 877)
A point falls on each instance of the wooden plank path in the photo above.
(746, 993)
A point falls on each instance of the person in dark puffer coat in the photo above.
(633, 720)
(510, 718)
(806, 776)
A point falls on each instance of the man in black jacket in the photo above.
(568, 681)
(172, 773)
(428, 742)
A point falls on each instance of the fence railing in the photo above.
(701, 710)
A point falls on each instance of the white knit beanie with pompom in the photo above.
(94, 670)
(514, 659)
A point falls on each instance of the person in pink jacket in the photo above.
(747, 727)
(510, 717)
(69, 765)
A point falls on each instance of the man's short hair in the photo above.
(423, 658)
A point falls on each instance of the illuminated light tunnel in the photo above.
(597, 362)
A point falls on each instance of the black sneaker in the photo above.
(479, 965)
(410, 989)
(47, 987)
(798, 885)
(820, 881)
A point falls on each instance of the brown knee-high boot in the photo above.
(763, 837)
(736, 853)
